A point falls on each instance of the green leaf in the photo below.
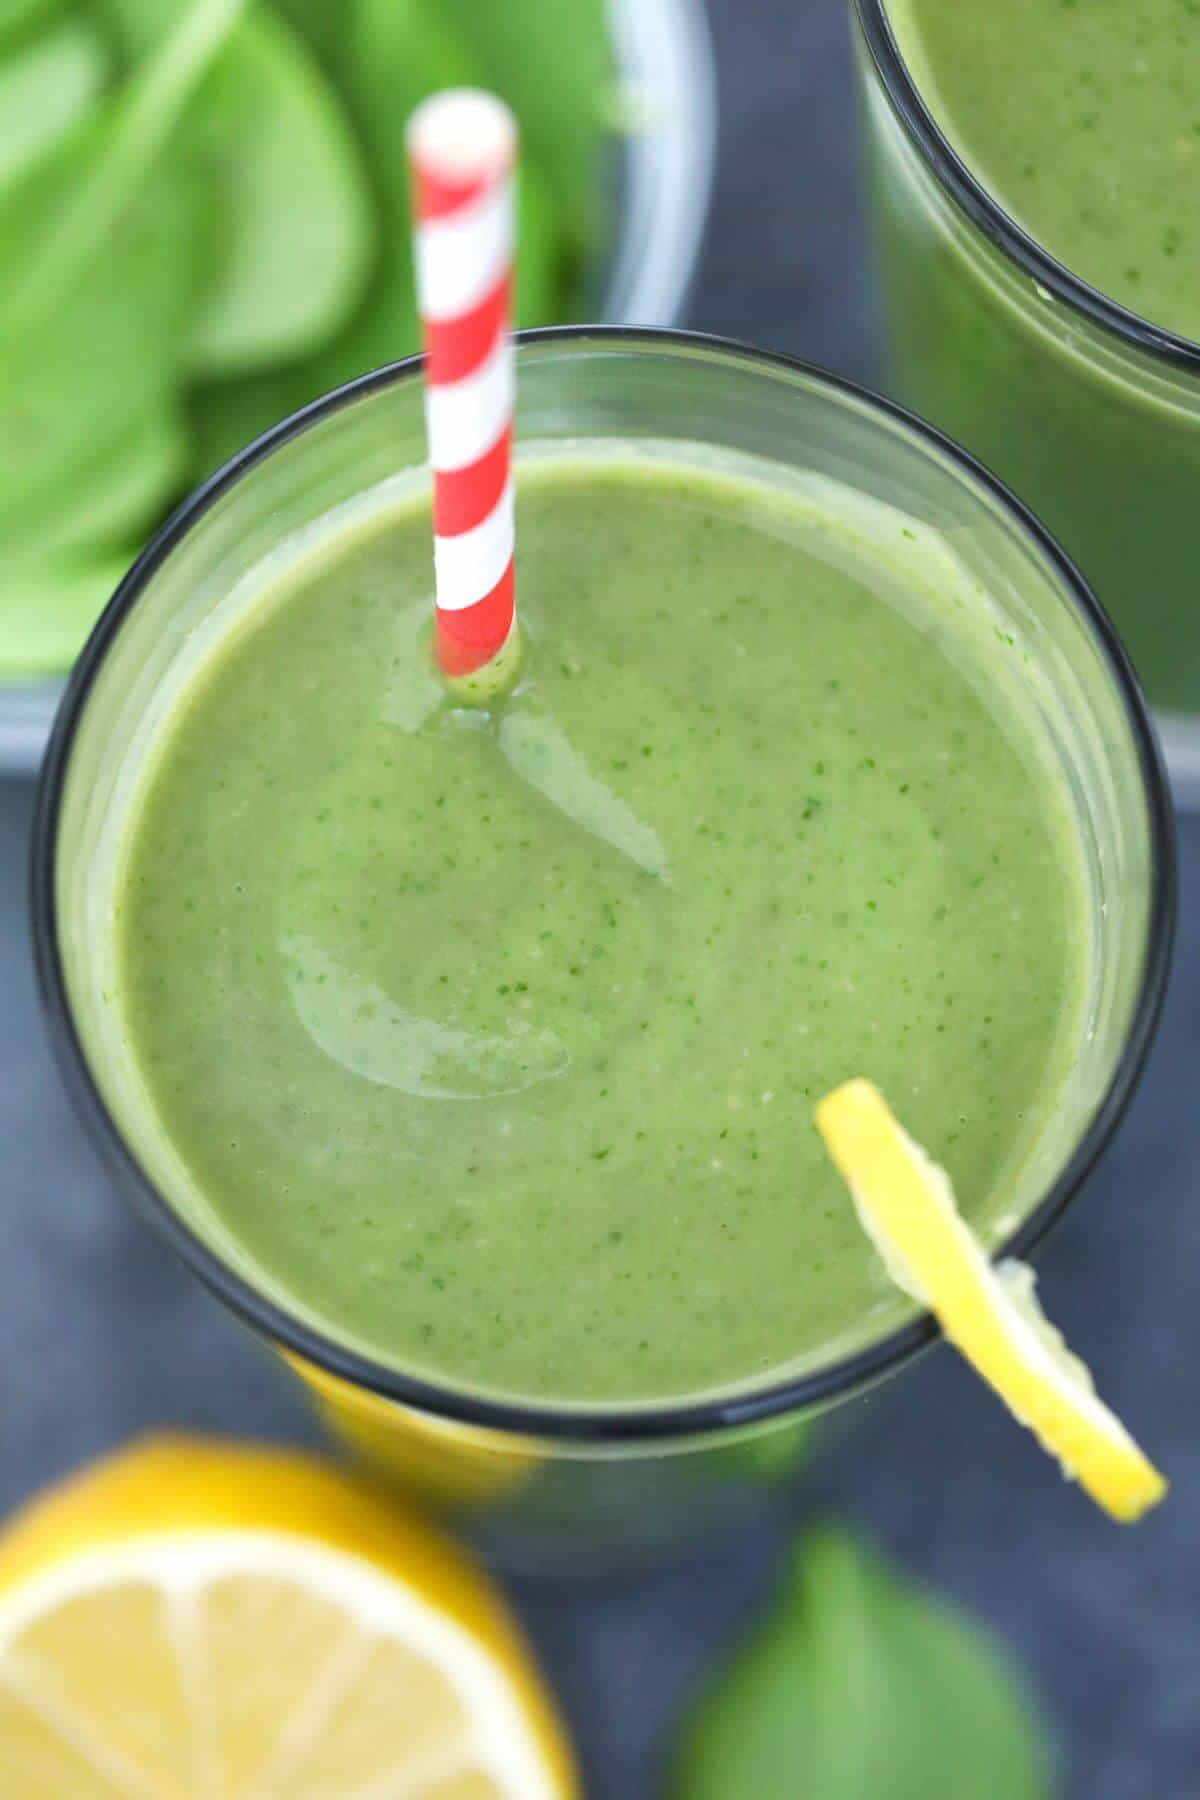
(141, 26)
(292, 226)
(46, 88)
(861, 1686)
(399, 52)
(402, 51)
(97, 276)
(228, 415)
(72, 385)
(543, 273)
(20, 18)
(113, 502)
(295, 206)
(395, 64)
(553, 62)
(48, 604)
(222, 198)
(61, 564)
(123, 157)
(322, 25)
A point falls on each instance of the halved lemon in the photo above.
(197, 1622)
(989, 1312)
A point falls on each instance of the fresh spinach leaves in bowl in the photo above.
(203, 224)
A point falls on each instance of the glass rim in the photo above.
(623, 1423)
(971, 197)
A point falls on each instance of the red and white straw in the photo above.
(462, 149)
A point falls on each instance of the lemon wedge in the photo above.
(989, 1312)
(196, 1622)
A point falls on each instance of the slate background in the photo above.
(101, 1336)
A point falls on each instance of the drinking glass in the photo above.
(1092, 413)
(538, 1478)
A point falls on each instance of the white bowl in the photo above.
(665, 55)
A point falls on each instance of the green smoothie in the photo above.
(1082, 118)
(493, 1036)
(1080, 121)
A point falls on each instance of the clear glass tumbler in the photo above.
(1090, 412)
(590, 1479)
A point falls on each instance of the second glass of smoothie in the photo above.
(1033, 174)
(471, 1053)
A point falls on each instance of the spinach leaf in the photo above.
(228, 414)
(74, 381)
(114, 500)
(290, 242)
(322, 26)
(394, 61)
(412, 44)
(225, 416)
(293, 197)
(46, 88)
(21, 18)
(398, 51)
(552, 61)
(49, 603)
(97, 278)
(204, 223)
(543, 270)
(57, 260)
(860, 1686)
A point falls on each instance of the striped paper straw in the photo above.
(462, 148)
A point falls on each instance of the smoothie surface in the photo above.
(1082, 119)
(494, 1037)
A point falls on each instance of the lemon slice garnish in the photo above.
(191, 1620)
(989, 1312)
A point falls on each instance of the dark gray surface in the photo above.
(101, 1336)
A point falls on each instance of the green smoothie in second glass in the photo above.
(1082, 118)
(493, 1037)
(1077, 125)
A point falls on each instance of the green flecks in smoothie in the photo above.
(493, 1034)
(1079, 116)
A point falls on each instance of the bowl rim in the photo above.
(580, 1425)
(664, 47)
